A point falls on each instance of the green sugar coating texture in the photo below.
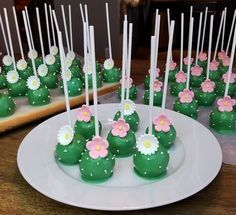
(147, 81)
(76, 71)
(205, 98)
(166, 139)
(214, 76)
(7, 105)
(157, 98)
(196, 81)
(188, 109)
(175, 88)
(220, 89)
(132, 92)
(223, 69)
(122, 146)
(38, 61)
(172, 74)
(112, 75)
(74, 85)
(203, 64)
(87, 129)
(6, 69)
(151, 166)
(76, 62)
(223, 122)
(50, 80)
(39, 97)
(54, 68)
(132, 120)
(3, 81)
(90, 80)
(96, 170)
(26, 73)
(17, 89)
(71, 154)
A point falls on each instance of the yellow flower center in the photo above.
(67, 136)
(226, 103)
(34, 83)
(85, 113)
(162, 122)
(120, 127)
(14, 77)
(127, 106)
(147, 144)
(98, 147)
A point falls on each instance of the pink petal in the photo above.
(94, 154)
(103, 153)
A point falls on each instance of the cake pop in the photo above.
(7, 105)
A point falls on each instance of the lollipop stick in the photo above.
(65, 27)
(223, 33)
(204, 29)
(70, 25)
(55, 20)
(182, 42)
(52, 25)
(231, 31)
(40, 34)
(108, 30)
(4, 36)
(18, 33)
(168, 22)
(198, 39)
(86, 65)
(172, 26)
(87, 21)
(82, 13)
(157, 38)
(47, 24)
(95, 100)
(209, 46)
(29, 26)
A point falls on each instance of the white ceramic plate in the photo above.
(195, 160)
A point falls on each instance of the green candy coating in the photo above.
(90, 80)
(172, 74)
(223, 122)
(132, 92)
(175, 88)
(6, 69)
(74, 85)
(38, 61)
(7, 105)
(122, 146)
(17, 89)
(223, 69)
(196, 81)
(50, 80)
(151, 166)
(112, 75)
(214, 76)
(76, 62)
(203, 64)
(188, 109)
(133, 120)
(3, 81)
(87, 129)
(157, 98)
(71, 154)
(220, 88)
(26, 73)
(147, 81)
(53, 69)
(39, 97)
(96, 170)
(76, 71)
(205, 98)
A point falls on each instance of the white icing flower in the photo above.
(42, 70)
(147, 144)
(53, 50)
(12, 77)
(129, 107)
(68, 75)
(108, 64)
(68, 62)
(65, 135)
(33, 82)
(71, 55)
(7, 60)
(50, 59)
(33, 54)
(89, 69)
(21, 64)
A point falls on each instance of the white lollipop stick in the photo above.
(95, 100)
(231, 31)
(18, 33)
(157, 35)
(168, 22)
(87, 21)
(156, 20)
(209, 47)
(47, 25)
(152, 66)
(86, 65)
(230, 64)
(182, 42)
(204, 29)
(28, 40)
(63, 68)
(223, 33)
(218, 37)
(4, 36)
(108, 30)
(189, 51)
(9, 38)
(52, 25)
(124, 53)
(129, 57)
(40, 34)
(82, 13)
(70, 25)
(198, 39)
(55, 20)
(65, 27)
(29, 27)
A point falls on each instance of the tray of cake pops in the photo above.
(32, 88)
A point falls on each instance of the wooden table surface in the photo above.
(18, 197)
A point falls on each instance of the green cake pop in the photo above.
(52, 65)
(111, 74)
(38, 60)
(173, 70)
(147, 78)
(214, 74)
(7, 105)
(196, 76)
(157, 97)
(179, 84)
(48, 79)
(202, 60)
(224, 65)
(76, 70)
(7, 64)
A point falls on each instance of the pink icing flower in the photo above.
(186, 60)
(97, 147)
(120, 128)
(172, 65)
(214, 65)
(221, 55)
(186, 96)
(181, 77)
(208, 86)
(84, 114)
(202, 56)
(231, 79)
(196, 70)
(157, 85)
(128, 83)
(225, 104)
(226, 61)
(156, 73)
(162, 123)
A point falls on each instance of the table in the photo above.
(18, 197)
